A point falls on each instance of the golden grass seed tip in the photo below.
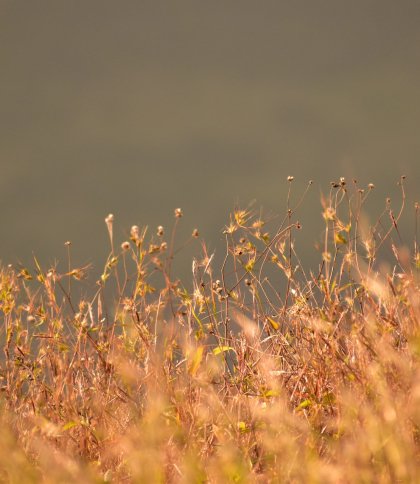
(135, 232)
(109, 218)
(160, 230)
(195, 233)
(178, 213)
(125, 245)
(371, 186)
(290, 178)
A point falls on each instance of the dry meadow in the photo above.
(257, 369)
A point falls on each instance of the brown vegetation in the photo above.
(259, 371)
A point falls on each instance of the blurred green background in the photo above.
(138, 107)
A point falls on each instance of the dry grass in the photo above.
(259, 371)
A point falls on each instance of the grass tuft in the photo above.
(256, 370)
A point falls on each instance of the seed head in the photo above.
(109, 219)
(371, 186)
(125, 245)
(178, 213)
(160, 230)
(134, 232)
(290, 178)
(195, 233)
(329, 213)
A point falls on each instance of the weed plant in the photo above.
(255, 371)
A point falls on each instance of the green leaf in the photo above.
(196, 358)
(271, 393)
(304, 404)
(250, 265)
(274, 324)
(340, 239)
(222, 349)
(242, 426)
(70, 425)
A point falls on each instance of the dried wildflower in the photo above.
(160, 231)
(238, 250)
(326, 256)
(290, 178)
(125, 245)
(342, 181)
(370, 247)
(349, 257)
(153, 248)
(135, 232)
(217, 287)
(67, 243)
(163, 246)
(329, 213)
(371, 186)
(230, 229)
(195, 233)
(241, 216)
(178, 213)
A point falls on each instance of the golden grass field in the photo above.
(255, 370)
